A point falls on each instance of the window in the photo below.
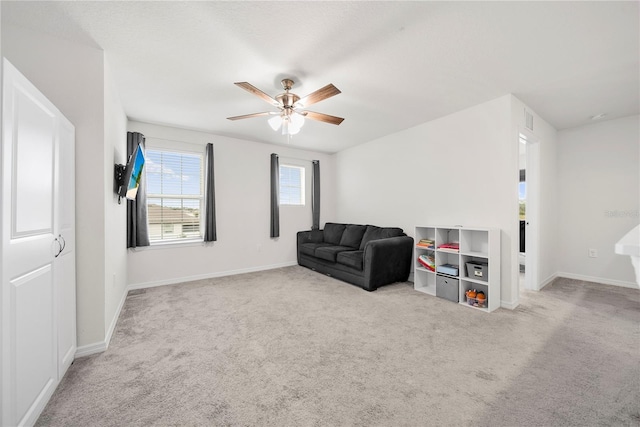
(291, 185)
(175, 194)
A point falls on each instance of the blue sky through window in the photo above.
(173, 173)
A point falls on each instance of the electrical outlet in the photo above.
(593, 253)
(258, 247)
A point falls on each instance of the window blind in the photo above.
(175, 186)
(291, 185)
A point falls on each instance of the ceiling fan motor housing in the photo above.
(287, 99)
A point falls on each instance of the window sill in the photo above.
(171, 244)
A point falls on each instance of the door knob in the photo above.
(59, 247)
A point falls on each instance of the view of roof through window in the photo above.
(174, 194)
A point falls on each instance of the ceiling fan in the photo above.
(291, 107)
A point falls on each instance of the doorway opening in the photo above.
(528, 210)
(522, 209)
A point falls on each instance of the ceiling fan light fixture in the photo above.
(275, 122)
(297, 120)
(293, 130)
(289, 119)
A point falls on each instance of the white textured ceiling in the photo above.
(398, 64)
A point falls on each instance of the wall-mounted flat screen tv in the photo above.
(132, 174)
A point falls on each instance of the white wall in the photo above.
(71, 76)
(459, 169)
(115, 242)
(242, 212)
(599, 193)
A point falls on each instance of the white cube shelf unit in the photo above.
(476, 246)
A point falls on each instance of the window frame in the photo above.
(178, 147)
(303, 183)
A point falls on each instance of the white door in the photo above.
(36, 139)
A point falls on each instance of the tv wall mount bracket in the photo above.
(119, 179)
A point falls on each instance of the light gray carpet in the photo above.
(291, 347)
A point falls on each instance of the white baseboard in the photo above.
(173, 281)
(509, 305)
(602, 280)
(548, 280)
(116, 316)
(99, 347)
(89, 349)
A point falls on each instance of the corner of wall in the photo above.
(115, 146)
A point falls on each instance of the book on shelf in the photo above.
(426, 243)
(453, 246)
(427, 262)
(450, 269)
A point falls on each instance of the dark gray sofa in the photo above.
(364, 255)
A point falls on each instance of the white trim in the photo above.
(600, 280)
(176, 280)
(547, 281)
(101, 346)
(114, 321)
(177, 243)
(43, 398)
(89, 349)
(509, 305)
(303, 184)
(532, 222)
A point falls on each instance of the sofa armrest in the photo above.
(310, 236)
(387, 261)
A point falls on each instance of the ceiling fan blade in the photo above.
(322, 117)
(257, 92)
(326, 92)
(248, 116)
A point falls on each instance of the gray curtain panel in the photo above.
(137, 229)
(209, 198)
(275, 196)
(315, 195)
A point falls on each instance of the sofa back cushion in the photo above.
(352, 235)
(375, 233)
(333, 232)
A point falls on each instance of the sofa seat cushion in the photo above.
(329, 253)
(375, 233)
(310, 248)
(352, 235)
(351, 259)
(333, 232)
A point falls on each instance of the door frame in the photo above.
(532, 223)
